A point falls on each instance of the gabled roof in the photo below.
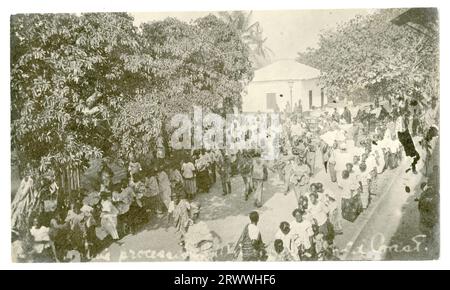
(287, 69)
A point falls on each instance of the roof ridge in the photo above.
(283, 69)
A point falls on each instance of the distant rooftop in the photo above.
(285, 69)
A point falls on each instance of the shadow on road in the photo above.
(408, 232)
(408, 243)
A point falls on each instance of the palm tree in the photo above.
(251, 34)
(261, 53)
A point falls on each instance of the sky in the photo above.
(288, 32)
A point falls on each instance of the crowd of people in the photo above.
(354, 153)
(350, 153)
(86, 221)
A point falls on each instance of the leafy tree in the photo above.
(373, 54)
(94, 85)
(68, 78)
(204, 63)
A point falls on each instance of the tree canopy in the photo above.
(373, 54)
(67, 80)
(204, 64)
(95, 85)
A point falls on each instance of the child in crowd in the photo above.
(280, 253)
(134, 167)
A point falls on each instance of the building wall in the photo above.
(313, 86)
(255, 99)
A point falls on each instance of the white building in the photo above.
(276, 86)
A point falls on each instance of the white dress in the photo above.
(109, 219)
(300, 233)
(41, 238)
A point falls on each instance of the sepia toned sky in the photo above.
(287, 32)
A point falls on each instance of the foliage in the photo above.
(94, 85)
(204, 63)
(67, 80)
(251, 33)
(373, 54)
(199, 63)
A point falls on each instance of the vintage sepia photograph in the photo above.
(263, 135)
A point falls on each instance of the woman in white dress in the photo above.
(302, 234)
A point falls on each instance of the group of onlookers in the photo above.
(88, 220)
(85, 222)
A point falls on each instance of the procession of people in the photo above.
(353, 151)
(350, 150)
